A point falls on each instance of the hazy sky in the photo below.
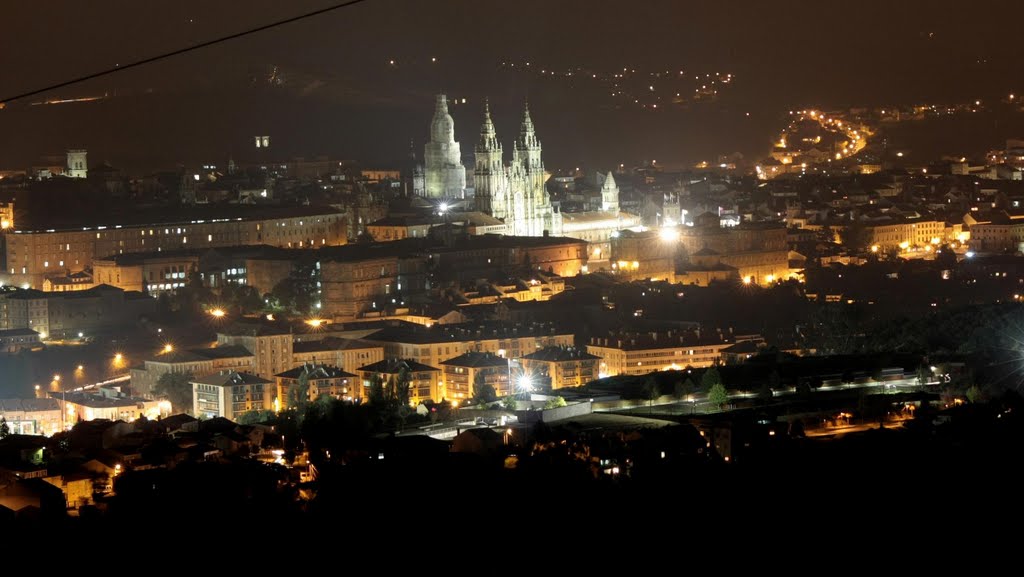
(335, 91)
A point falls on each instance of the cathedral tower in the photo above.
(610, 194)
(489, 173)
(444, 177)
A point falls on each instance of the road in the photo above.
(699, 404)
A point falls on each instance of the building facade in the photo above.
(229, 394)
(320, 380)
(32, 255)
(433, 345)
(271, 347)
(461, 374)
(424, 381)
(559, 367)
(643, 353)
(195, 362)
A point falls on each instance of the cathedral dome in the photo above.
(442, 127)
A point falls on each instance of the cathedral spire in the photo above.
(527, 127)
(487, 130)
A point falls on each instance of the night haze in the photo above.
(325, 86)
(405, 269)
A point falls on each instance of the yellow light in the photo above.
(636, 265)
(217, 312)
(5, 224)
(80, 367)
(747, 279)
(669, 234)
(770, 278)
(904, 245)
(315, 323)
(168, 348)
(56, 377)
(936, 240)
(270, 316)
(119, 357)
(874, 248)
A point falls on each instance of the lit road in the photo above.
(700, 405)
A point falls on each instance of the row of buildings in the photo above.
(262, 364)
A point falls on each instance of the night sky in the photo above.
(325, 86)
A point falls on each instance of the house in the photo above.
(462, 373)
(558, 367)
(320, 380)
(424, 380)
(228, 394)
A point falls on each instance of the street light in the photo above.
(217, 313)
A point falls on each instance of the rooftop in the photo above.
(561, 354)
(231, 378)
(476, 360)
(194, 355)
(99, 401)
(163, 216)
(393, 366)
(17, 333)
(462, 332)
(11, 405)
(316, 372)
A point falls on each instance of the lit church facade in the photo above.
(515, 193)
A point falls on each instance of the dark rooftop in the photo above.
(10, 405)
(192, 355)
(231, 378)
(316, 372)
(163, 216)
(476, 360)
(393, 366)
(560, 354)
(462, 331)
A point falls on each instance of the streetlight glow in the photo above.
(218, 312)
(669, 234)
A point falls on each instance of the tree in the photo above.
(298, 291)
(710, 378)
(176, 388)
(483, 392)
(5, 430)
(768, 387)
(299, 397)
(973, 394)
(376, 394)
(855, 236)
(718, 395)
(684, 389)
(255, 417)
(510, 403)
(555, 403)
(651, 390)
(922, 375)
